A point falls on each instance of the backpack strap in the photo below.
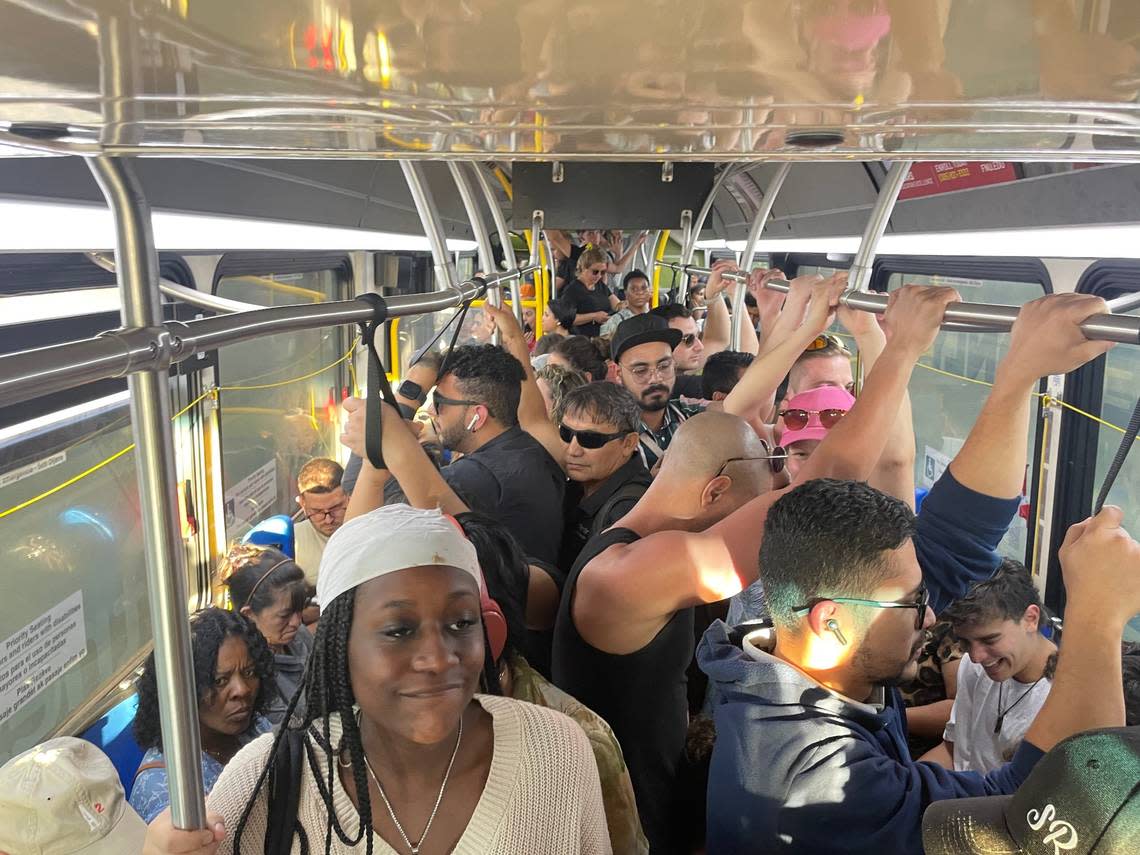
(285, 794)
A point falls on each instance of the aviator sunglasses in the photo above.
(796, 419)
(590, 439)
(689, 339)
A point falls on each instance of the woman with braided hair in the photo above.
(400, 755)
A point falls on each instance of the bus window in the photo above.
(269, 432)
(74, 618)
(1121, 368)
(946, 407)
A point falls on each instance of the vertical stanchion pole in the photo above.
(739, 311)
(864, 263)
(482, 238)
(137, 265)
(687, 239)
(504, 239)
(429, 218)
(702, 215)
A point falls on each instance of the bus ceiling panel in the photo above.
(348, 194)
(609, 195)
(540, 80)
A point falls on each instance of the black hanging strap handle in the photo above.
(1118, 460)
(378, 386)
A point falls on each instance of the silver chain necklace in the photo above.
(415, 848)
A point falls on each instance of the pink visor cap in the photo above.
(815, 400)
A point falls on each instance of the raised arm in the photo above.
(852, 448)
(894, 471)
(619, 265)
(1101, 567)
(718, 323)
(559, 241)
(1046, 339)
(807, 311)
(407, 462)
(532, 409)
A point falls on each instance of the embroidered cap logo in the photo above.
(1061, 834)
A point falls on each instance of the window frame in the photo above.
(1084, 388)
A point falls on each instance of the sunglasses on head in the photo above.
(824, 341)
(796, 419)
(689, 339)
(590, 439)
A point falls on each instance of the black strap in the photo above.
(624, 493)
(285, 793)
(1118, 460)
(378, 386)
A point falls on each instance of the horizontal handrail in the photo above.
(959, 317)
(34, 373)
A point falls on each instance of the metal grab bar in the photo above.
(34, 373)
(191, 296)
(959, 317)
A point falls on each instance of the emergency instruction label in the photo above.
(248, 499)
(33, 658)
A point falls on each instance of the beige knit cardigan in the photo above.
(542, 793)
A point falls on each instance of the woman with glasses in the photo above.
(269, 590)
(591, 298)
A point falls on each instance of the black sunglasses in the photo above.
(589, 438)
(444, 401)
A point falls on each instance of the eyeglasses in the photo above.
(776, 459)
(643, 372)
(444, 401)
(689, 340)
(327, 513)
(824, 341)
(920, 603)
(796, 419)
(588, 438)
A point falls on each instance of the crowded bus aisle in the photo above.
(625, 612)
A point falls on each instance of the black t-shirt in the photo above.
(586, 302)
(624, 488)
(567, 266)
(642, 695)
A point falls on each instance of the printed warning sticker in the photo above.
(34, 657)
(250, 498)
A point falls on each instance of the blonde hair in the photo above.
(590, 257)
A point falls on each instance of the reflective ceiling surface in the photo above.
(565, 79)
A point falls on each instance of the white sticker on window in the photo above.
(934, 464)
(250, 498)
(32, 469)
(34, 657)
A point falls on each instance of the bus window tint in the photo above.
(1121, 368)
(945, 407)
(268, 433)
(82, 544)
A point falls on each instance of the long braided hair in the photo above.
(329, 692)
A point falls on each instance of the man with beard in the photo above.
(503, 472)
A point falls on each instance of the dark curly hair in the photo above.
(505, 569)
(488, 374)
(209, 629)
(583, 356)
(827, 538)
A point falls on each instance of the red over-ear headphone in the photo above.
(494, 624)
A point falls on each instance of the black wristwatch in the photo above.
(412, 390)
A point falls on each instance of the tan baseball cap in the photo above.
(64, 797)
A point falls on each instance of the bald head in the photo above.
(703, 444)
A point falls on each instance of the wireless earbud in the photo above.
(833, 627)
(474, 419)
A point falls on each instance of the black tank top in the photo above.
(642, 695)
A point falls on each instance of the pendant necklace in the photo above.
(1002, 713)
(415, 848)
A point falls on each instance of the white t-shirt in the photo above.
(309, 545)
(971, 727)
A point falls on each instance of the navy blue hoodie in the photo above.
(798, 768)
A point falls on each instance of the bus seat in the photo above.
(114, 734)
(919, 495)
(276, 531)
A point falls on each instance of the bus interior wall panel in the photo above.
(610, 195)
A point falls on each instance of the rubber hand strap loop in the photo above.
(378, 387)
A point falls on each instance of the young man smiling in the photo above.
(1005, 676)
